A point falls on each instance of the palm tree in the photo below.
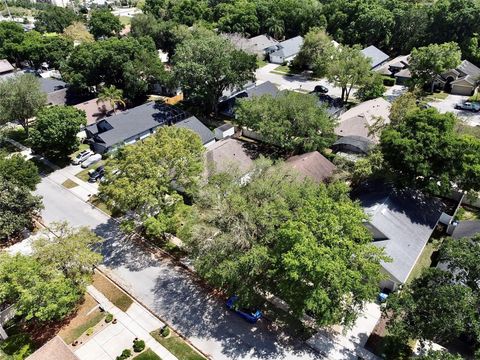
(111, 95)
(275, 27)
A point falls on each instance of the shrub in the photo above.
(388, 81)
(89, 331)
(125, 354)
(138, 345)
(108, 318)
(165, 331)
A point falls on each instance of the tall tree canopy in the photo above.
(207, 65)
(129, 64)
(144, 176)
(20, 99)
(18, 207)
(103, 23)
(55, 130)
(15, 168)
(303, 242)
(54, 19)
(425, 152)
(427, 62)
(348, 68)
(292, 121)
(78, 31)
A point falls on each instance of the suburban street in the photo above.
(169, 290)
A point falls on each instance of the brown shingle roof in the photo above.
(55, 349)
(312, 165)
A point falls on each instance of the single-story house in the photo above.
(376, 56)
(357, 120)
(55, 89)
(228, 154)
(5, 67)
(285, 51)
(398, 68)
(227, 107)
(463, 80)
(401, 221)
(95, 110)
(54, 349)
(192, 123)
(312, 165)
(256, 45)
(138, 123)
(353, 144)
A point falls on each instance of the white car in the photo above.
(468, 106)
(91, 160)
(82, 156)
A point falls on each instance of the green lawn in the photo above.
(84, 319)
(284, 70)
(424, 261)
(83, 175)
(125, 20)
(112, 292)
(261, 63)
(436, 96)
(147, 355)
(177, 346)
(97, 202)
(467, 213)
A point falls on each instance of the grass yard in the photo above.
(112, 292)
(147, 355)
(97, 202)
(424, 261)
(84, 319)
(261, 63)
(177, 346)
(284, 70)
(436, 96)
(83, 175)
(69, 184)
(467, 213)
(125, 20)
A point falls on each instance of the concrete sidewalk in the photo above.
(136, 322)
(84, 190)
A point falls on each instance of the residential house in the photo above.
(228, 154)
(312, 165)
(353, 144)
(138, 123)
(95, 110)
(376, 56)
(285, 51)
(401, 221)
(397, 68)
(5, 67)
(358, 120)
(463, 80)
(256, 45)
(55, 89)
(54, 349)
(227, 106)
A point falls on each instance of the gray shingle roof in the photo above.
(363, 144)
(376, 55)
(5, 66)
(467, 68)
(196, 126)
(289, 47)
(406, 217)
(49, 85)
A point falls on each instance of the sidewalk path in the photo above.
(136, 322)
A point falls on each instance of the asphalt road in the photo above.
(169, 290)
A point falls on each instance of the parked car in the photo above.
(320, 89)
(251, 315)
(82, 156)
(96, 174)
(91, 160)
(468, 106)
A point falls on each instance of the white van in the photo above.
(91, 160)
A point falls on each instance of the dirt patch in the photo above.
(113, 293)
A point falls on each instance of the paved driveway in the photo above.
(448, 105)
(169, 290)
(295, 82)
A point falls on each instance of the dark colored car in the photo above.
(96, 174)
(251, 315)
(320, 89)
